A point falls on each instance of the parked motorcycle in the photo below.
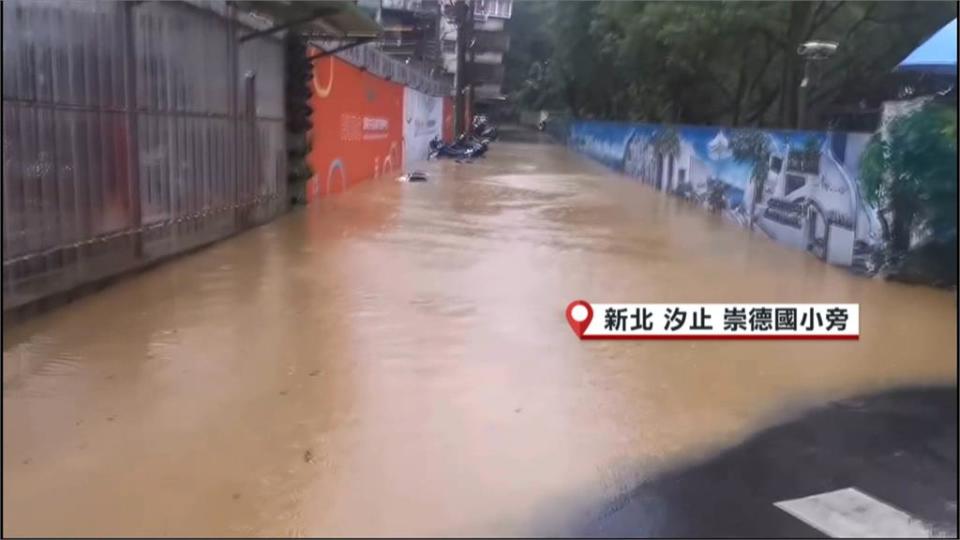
(462, 148)
(483, 129)
(478, 145)
(488, 133)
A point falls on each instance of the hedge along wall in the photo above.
(808, 182)
(365, 126)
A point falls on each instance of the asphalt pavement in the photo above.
(899, 448)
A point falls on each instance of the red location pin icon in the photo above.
(579, 314)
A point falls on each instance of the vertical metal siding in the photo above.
(112, 160)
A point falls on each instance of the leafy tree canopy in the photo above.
(706, 62)
(914, 169)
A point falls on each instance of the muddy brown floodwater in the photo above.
(395, 360)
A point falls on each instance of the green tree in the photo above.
(911, 175)
(526, 67)
(666, 141)
(751, 146)
(709, 62)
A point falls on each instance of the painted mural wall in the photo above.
(422, 123)
(799, 188)
(357, 129)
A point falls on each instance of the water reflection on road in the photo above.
(395, 360)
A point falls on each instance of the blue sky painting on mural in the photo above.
(936, 55)
(809, 196)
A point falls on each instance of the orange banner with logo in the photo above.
(357, 130)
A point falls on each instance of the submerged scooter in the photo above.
(484, 129)
(462, 148)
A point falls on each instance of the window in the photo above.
(794, 182)
(803, 162)
(776, 163)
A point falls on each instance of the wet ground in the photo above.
(899, 447)
(395, 360)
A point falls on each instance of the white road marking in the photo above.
(849, 513)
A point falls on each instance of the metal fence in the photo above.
(370, 58)
(131, 131)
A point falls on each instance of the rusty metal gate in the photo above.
(131, 131)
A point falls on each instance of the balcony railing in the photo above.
(486, 73)
(501, 9)
(491, 41)
(379, 63)
(486, 42)
(416, 6)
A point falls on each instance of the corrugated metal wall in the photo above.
(131, 131)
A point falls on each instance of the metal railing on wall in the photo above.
(131, 132)
(369, 57)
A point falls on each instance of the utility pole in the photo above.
(811, 51)
(463, 18)
(805, 85)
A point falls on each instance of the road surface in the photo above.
(395, 360)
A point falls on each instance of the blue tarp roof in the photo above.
(937, 55)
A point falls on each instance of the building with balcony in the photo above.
(411, 31)
(489, 44)
(422, 34)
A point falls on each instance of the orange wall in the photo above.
(357, 129)
(448, 119)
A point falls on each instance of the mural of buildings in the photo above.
(799, 188)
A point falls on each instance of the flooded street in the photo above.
(395, 360)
